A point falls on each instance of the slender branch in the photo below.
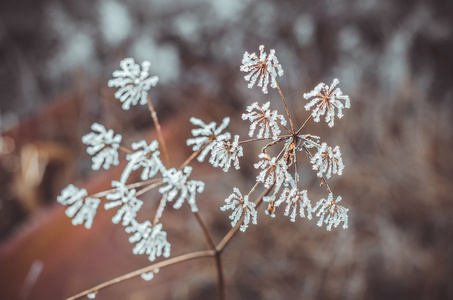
(149, 187)
(131, 186)
(192, 157)
(165, 263)
(221, 291)
(205, 230)
(226, 239)
(159, 132)
(263, 139)
(303, 125)
(286, 107)
(126, 150)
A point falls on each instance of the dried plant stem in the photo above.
(159, 132)
(192, 157)
(286, 107)
(149, 187)
(221, 291)
(165, 263)
(131, 186)
(303, 125)
(205, 230)
(125, 150)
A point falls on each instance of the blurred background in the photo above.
(393, 58)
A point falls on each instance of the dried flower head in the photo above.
(269, 121)
(324, 100)
(132, 82)
(329, 212)
(224, 152)
(240, 206)
(124, 197)
(262, 67)
(103, 145)
(151, 240)
(206, 135)
(328, 161)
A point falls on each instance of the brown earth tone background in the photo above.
(393, 58)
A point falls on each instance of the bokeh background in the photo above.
(393, 58)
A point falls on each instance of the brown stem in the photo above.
(165, 263)
(159, 132)
(205, 230)
(131, 186)
(286, 107)
(303, 125)
(149, 187)
(192, 157)
(126, 150)
(221, 291)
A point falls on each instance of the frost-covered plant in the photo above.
(277, 169)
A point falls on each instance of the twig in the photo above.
(286, 108)
(165, 263)
(159, 132)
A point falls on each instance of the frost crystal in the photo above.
(177, 183)
(273, 171)
(150, 275)
(293, 197)
(82, 209)
(132, 82)
(103, 145)
(327, 160)
(307, 141)
(240, 205)
(261, 67)
(335, 213)
(224, 153)
(206, 135)
(146, 157)
(325, 100)
(268, 121)
(125, 198)
(151, 241)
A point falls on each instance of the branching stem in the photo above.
(159, 132)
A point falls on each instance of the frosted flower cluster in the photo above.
(125, 198)
(224, 153)
(177, 183)
(241, 207)
(294, 198)
(145, 156)
(327, 161)
(261, 68)
(206, 135)
(81, 209)
(151, 240)
(269, 121)
(329, 212)
(273, 171)
(103, 146)
(133, 82)
(323, 101)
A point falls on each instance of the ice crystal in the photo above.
(225, 152)
(324, 100)
(132, 82)
(146, 157)
(240, 206)
(103, 145)
(150, 275)
(151, 240)
(268, 121)
(335, 213)
(293, 197)
(273, 171)
(125, 198)
(262, 67)
(81, 209)
(206, 135)
(177, 183)
(328, 161)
